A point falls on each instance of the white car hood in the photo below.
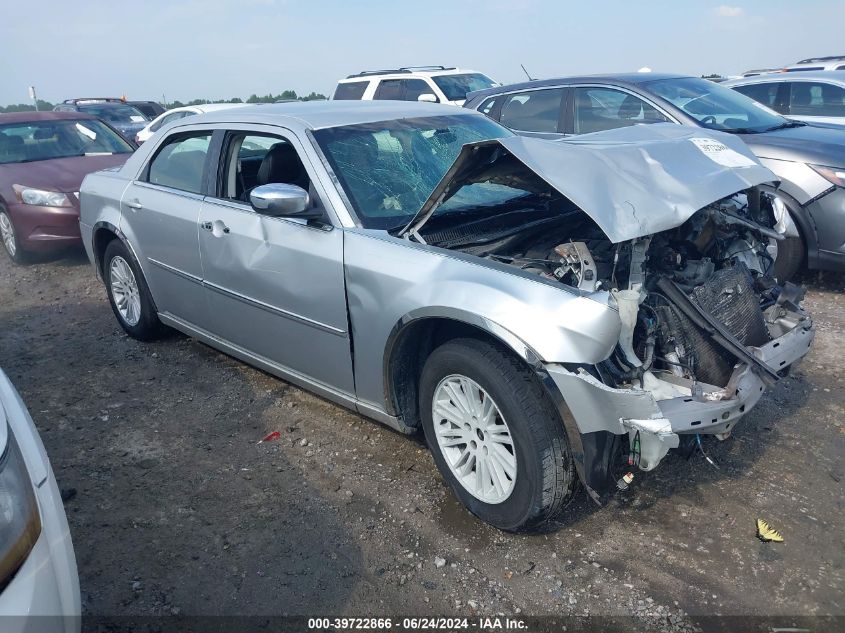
(631, 181)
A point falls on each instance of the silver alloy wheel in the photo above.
(474, 439)
(124, 290)
(7, 232)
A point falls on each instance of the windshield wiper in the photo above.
(786, 125)
(741, 130)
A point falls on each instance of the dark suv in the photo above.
(124, 117)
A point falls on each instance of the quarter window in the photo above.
(598, 109)
(487, 106)
(180, 163)
(533, 111)
(350, 91)
(813, 98)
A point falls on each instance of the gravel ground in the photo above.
(179, 510)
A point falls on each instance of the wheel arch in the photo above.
(413, 339)
(417, 334)
(102, 234)
(802, 219)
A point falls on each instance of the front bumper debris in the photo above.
(707, 410)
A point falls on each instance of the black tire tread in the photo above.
(149, 328)
(558, 469)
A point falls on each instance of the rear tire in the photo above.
(488, 402)
(9, 237)
(129, 294)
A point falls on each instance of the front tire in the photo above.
(791, 256)
(129, 294)
(494, 435)
(9, 237)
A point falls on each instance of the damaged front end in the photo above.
(705, 329)
(672, 230)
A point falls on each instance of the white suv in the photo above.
(833, 62)
(437, 84)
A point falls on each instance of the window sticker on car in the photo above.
(137, 119)
(721, 153)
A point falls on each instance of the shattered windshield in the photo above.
(388, 169)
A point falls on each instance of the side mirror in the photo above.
(281, 200)
(428, 98)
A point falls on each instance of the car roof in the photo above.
(31, 116)
(322, 114)
(212, 107)
(410, 72)
(808, 75)
(622, 79)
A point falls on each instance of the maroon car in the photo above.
(43, 158)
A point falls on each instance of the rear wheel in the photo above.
(494, 435)
(128, 293)
(9, 236)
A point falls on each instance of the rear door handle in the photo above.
(134, 204)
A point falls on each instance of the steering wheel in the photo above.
(709, 120)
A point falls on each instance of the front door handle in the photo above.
(134, 204)
(215, 227)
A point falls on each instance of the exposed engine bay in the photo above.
(692, 300)
(722, 258)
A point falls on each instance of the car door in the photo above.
(159, 213)
(817, 102)
(599, 108)
(275, 286)
(537, 112)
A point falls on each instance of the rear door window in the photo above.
(350, 91)
(180, 162)
(533, 110)
(414, 88)
(390, 90)
(814, 98)
(598, 109)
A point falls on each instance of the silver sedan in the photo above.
(546, 312)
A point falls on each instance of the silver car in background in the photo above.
(544, 311)
(813, 96)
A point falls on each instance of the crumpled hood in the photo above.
(631, 181)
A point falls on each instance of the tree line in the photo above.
(286, 95)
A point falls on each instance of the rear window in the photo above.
(350, 91)
(45, 140)
(114, 113)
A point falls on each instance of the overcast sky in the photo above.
(187, 49)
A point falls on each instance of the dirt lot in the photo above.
(178, 510)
